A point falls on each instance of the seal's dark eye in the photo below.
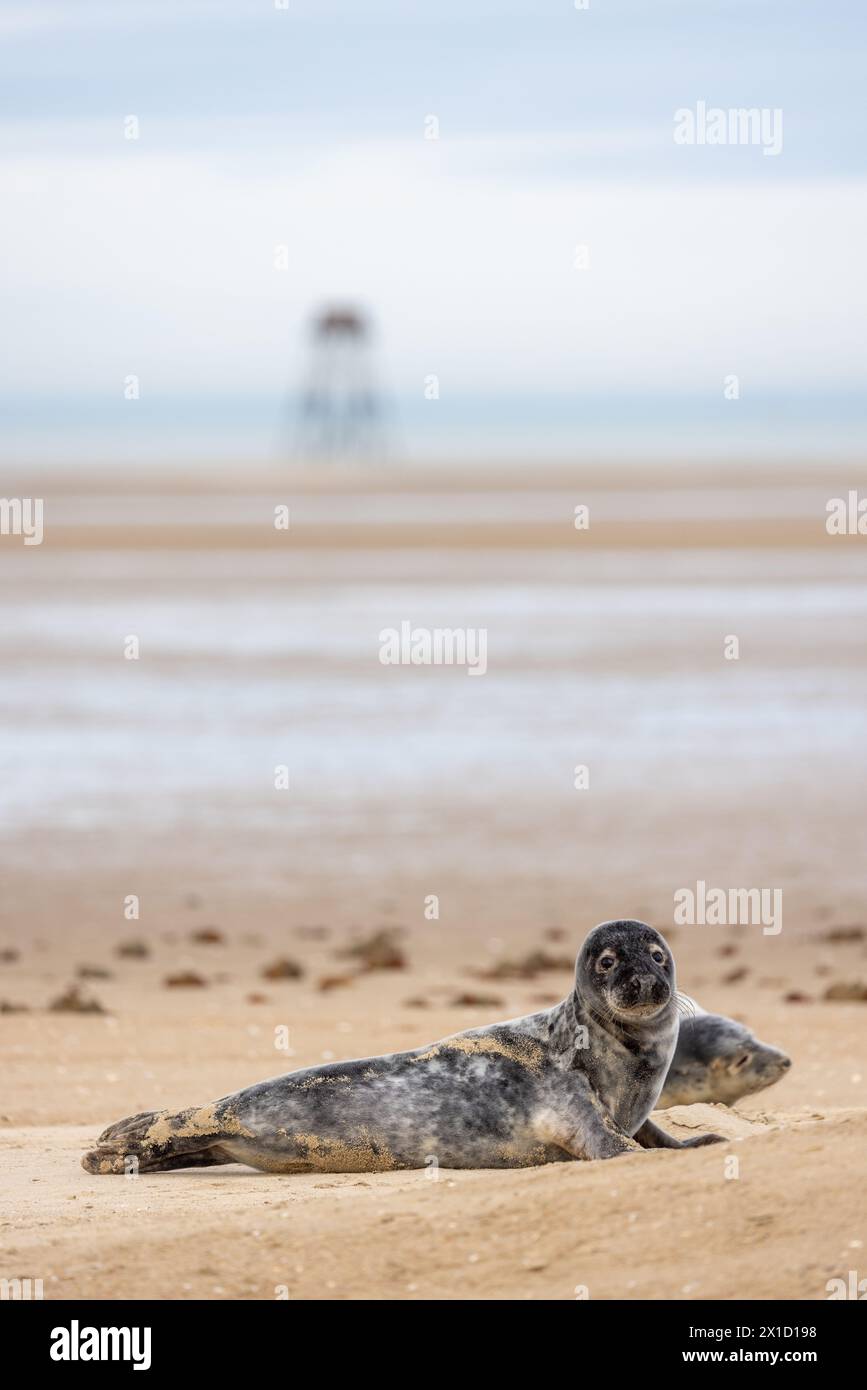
(742, 1061)
(658, 956)
(606, 962)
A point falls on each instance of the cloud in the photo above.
(163, 264)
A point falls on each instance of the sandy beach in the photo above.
(154, 779)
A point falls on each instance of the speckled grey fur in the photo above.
(719, 1060)
(576, 1081)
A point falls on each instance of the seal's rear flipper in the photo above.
(158, 1140)
(650, 1136)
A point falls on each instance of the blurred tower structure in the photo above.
(341, 418)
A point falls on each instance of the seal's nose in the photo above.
(642, 985)
(785, 1063)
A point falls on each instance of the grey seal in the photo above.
(577, 1081)
(719, 1060)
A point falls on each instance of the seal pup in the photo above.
(718, 1060)
(577, 1081)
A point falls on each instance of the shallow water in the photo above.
(249, 661)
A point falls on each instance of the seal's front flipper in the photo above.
(650, 1136)
(157, 1140)
(581, 1125)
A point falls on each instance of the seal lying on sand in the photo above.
(719, 1060)
(577, 1081)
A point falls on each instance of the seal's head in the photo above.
(625, 971)
(720, 1060)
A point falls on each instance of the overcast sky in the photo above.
(261, 127)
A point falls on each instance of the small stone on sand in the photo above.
(846, 992)
(133, 950)
(282, 969)
(185, 979)
(208, 936)
(74, 1002)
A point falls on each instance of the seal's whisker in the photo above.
(685, 1005)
